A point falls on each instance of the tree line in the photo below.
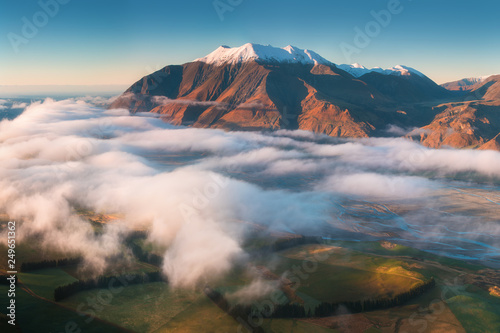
(139, 252)
(324, 309)
(283, 244)
(33, 266)
(145, 256)
(286, 243)
(237, 312)
(68, 290)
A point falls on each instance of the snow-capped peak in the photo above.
(356, 65)
(474, 80)
(358, 70)
(291, 54)
(248, 52)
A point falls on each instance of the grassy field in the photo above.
(29, 251)
(343, 275)
(478, 312)
(201, 316)
(140, 308)
(337, 271)
(408, 318)
(36, 315)
(294, 326)
(43, 282)
(128, 268)
(404, 251)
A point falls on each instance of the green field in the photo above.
(343, 275)
(478, 312)
(141, 308)
(293, 326)
(43, 282)
(201, 316)
(36, 315)
(134, 267)
(29, 251)
(333, 272)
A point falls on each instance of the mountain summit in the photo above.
(264, 87)
(224, 55)
(256, 87)
(261, 53)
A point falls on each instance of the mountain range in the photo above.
(257, 87)
(466, 84)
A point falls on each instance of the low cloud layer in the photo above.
(199, 192)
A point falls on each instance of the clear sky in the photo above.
(90, 42)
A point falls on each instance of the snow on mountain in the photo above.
(466, 84)
(291, 54)
(358, 70)
(227, 55)
(474, 80)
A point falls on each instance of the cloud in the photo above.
(400, 131)
(256, 290)
(162, 100)
(80, 155)
(98, 100)
(256, 105)
(200, 193)
(19, 105)
(378, 185)
(418, 131)
(2, 106)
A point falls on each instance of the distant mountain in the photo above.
(467, 84)
(264, 87)
(468, 124)
(472, 122)
(358, 70)
(488, 89)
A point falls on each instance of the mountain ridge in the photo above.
(259, 88)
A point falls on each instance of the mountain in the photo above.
(488, 89)
(467, 124)
(471, 122)
(264, 87)
(358, 70)
(493, 144)
(224, 55)
(467, 84)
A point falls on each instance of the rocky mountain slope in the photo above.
(472, 122)
(467, 84)
(256, 87)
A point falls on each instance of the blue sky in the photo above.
(89, 42)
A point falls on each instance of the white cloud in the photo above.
(255, 291)
(378, 185)
(197, 191)
(19, 105)
(162, 100)
(399, 131)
